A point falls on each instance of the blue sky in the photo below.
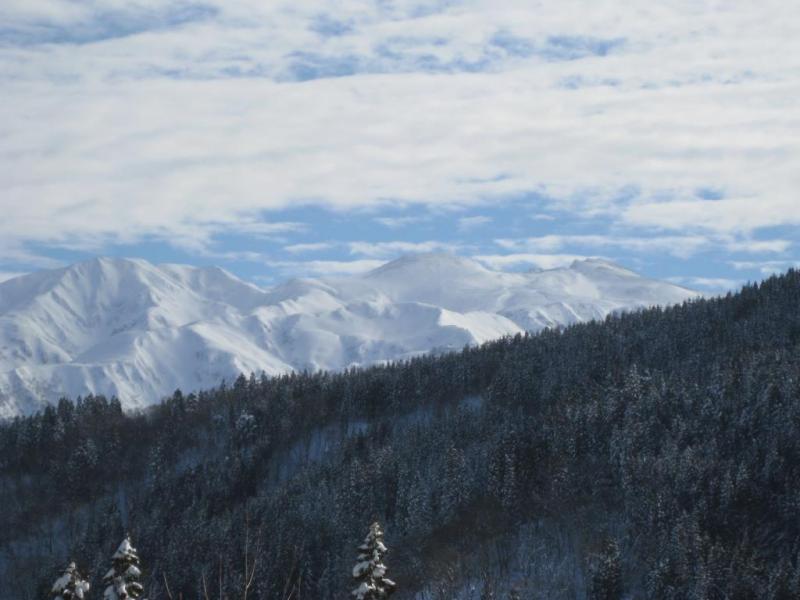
(306, 138)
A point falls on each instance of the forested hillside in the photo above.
(653, 455)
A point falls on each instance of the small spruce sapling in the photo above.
(70, 586)
(370, 572)
(122, 580)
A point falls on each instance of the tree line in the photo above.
(122, 581)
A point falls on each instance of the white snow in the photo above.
(61, 583)
(125, 550)
(139, 331)
(70, 584)
(360, 567)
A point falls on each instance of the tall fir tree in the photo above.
(122, 580)
(370, 572)
(70, 586)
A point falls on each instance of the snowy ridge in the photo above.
(139, 331)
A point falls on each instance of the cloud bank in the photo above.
(184, 122)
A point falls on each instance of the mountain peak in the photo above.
(428, 261)
(110, 262)
(594, 263)
(126, 327)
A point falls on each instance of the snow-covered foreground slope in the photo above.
(139, 331)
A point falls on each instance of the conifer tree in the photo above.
(509, 489)
(370, 572)
(122, 580)
(454, 493)
(606, 582)
(70, 586)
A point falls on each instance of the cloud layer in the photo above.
(183, 122)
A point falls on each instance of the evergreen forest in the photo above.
(655, 454)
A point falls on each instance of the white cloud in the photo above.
(709, 284)
(267, 229)
(392, 249)
(725, 216)
(399, 222)
(502, 262)
(682, 246)
(235, 255)
(326, 268)
(13, 253)
(469, 223)
(766, 267)
(759, 246)
(185, 128)
(311, 247)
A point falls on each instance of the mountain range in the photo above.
(137, 330)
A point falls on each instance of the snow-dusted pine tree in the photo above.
(122, 580)
(370, 572)
(70, 586)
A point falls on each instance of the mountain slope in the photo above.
(139, 331)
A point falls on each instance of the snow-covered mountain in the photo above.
(139, 331)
